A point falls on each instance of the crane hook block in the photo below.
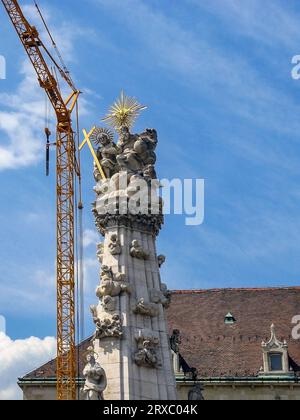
(48, 134)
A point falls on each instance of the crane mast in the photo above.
(66, 170)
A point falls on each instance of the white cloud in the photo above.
(21, 135)
(20, 357)
(90, 237)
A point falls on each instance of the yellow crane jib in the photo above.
(39, 56)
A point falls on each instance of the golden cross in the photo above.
(88, 142)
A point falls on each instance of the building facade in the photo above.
(239, 344)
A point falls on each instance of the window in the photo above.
(275, 362)
(229, 319)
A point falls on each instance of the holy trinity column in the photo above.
(130, 355)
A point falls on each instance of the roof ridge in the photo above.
(233, 289)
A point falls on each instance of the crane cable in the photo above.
(79, 255)
(80, 207)
(48, 134)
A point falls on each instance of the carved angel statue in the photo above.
(112, 284)
(136, 251)
(106, 273)
(146, 308)
(115, 245)
(108, 327)
(95, 379)
(146, 356)
(161, 260)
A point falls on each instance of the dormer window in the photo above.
(275, 362)
(275, 356)
(229, 319)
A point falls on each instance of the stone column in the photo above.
(131, 341)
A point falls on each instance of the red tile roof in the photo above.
(217, 349)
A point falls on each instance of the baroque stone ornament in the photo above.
(113, 287)
(106, 152)
(162, 296)
(123, 112)
(146, 354)
(146, 308)
(136, 251)
(95, 379)
(114, 246)
(274, 348)
(112, 284)
(148, 223)
(128, 212)
(109, 303)
(175, 341)
(107, 327)
(137, 152)
(161, 259)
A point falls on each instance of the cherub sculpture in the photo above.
(114, 245)
(136, 251)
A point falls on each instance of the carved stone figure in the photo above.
(175, 341)
(146, 355)
(109, 303)
(161, 260)
(149, 173)
(137, 152)
(195, 393)
(145, 147)
(115, 245)
(106, 154)
(136, 251)
(112, 284)
(106, 273)
(128, 158)
(112, 288)
(100, 252)
(95, 379)
(108, 327)
(167, 295)
(146, 308)
(162, 296)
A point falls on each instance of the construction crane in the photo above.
(67, 168)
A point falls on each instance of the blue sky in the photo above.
(216, 77)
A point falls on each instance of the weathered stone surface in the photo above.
(131, 338)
